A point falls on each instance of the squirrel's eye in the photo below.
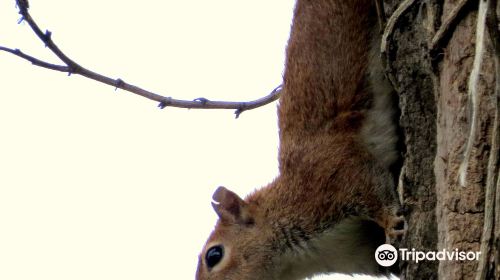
(214, 255)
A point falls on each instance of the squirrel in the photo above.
(334, 200)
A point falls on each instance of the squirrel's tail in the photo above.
(326, 83)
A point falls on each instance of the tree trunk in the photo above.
(432, 76)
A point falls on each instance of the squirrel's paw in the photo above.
(396, 228)
(393, 223)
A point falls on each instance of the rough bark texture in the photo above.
(435, 122)
(414, 82)
(460, 209)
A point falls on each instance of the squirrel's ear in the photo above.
(230, 207)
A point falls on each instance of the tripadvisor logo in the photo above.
(387, 255)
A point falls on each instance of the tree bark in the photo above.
(431, 78)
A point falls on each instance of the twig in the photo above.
(443, 33)
(36, 61)
(245, 106)
(472, 87)
(71, 67)
(387, 36)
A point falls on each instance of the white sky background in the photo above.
(101, 184)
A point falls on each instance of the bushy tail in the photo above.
(325, 80)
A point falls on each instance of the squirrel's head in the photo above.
(240, 246)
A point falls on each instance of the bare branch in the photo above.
(72, 67)
(36, 61)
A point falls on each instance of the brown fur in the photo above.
(329, 179)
